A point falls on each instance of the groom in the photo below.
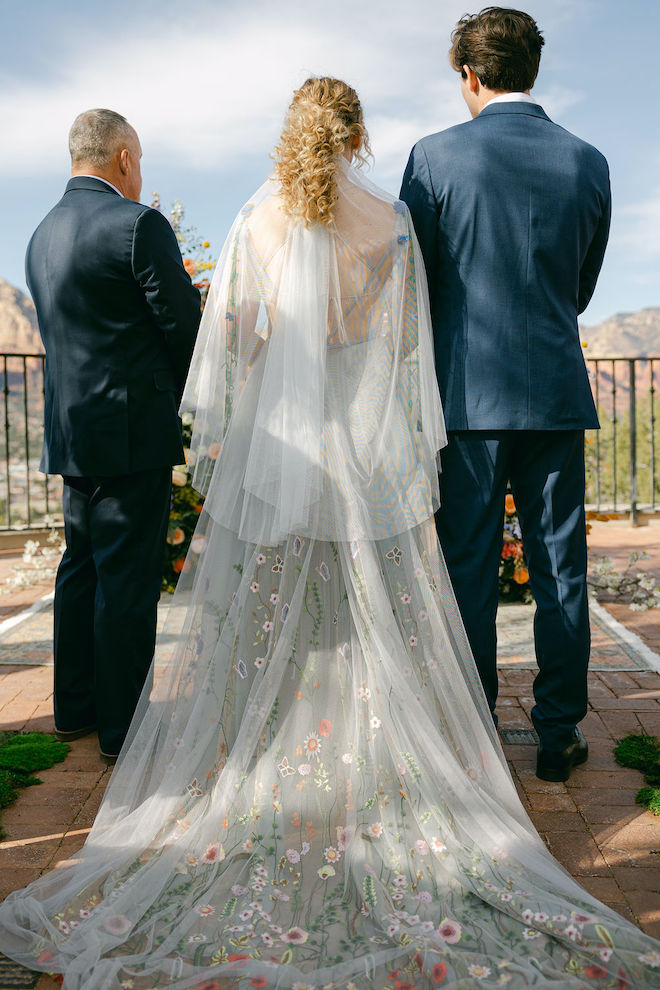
(512, 213)
(118, 315)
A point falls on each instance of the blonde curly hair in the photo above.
(324, 115)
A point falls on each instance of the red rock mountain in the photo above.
(19, 333)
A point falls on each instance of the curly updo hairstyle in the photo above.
(324, 116)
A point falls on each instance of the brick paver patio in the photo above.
(591, 824)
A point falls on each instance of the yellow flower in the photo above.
(205, 244)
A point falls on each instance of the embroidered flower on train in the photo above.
(274, 598)
(258, 981)
(267, 626)
(118, 924)
(527, 916)
(605, 954)
(267, 939)
(450, 931)
(479, 972)
(278, 895)
(559, 917)
(375, 830)
(422, 847)
(397, 896)
(246, 914)
(304, 849)
(375, 722)
(302, 986)
(347, 758)
(439, 972)
(293, 855)
(248, 845)
(259, 662)
(400, 880)
(197, 938)
(254, 586)
(580, 918)
(422, 615)
(541, 917)
(573, 932)
(312, 744)
(297, 546)
(412, 640)
(205, 910)
(530, 933)
(438, 847)
(344, 836)
(213, 853)
(650, 959)
(427, 927)
(127, 984)
(424, 897)
(406, 599)
(295, 936)
(332, 855)
(63, 927)
(364, 693)
(325, 728)
(595, 972)
(393, 928)
(304, 769)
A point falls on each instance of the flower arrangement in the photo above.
(186, 504)
(514, 583)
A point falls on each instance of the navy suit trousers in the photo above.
(546, 471)
(106, 597)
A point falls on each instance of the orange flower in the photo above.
(439, 972)
(521, 576)
(178, 536)
(178, 565)
(509, 505)
(189, 266)
(325, 727)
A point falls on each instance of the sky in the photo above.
(207, 85)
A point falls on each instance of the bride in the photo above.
(314, 794)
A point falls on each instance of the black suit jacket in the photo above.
(118, 316)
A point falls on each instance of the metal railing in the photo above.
(621, 456)
(28, 499)
(622, 463)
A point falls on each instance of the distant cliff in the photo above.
(19, 333)
(624, 335)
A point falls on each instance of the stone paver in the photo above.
(592, 824)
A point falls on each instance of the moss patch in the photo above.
(642, 752)
(20, 754)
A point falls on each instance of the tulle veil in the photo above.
(312, 792)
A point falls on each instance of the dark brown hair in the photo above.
(502, 46)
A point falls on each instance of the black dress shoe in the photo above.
(556, 765)
(74, 734)
(109, 758)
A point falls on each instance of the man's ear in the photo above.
(471, 78)
(123, 161)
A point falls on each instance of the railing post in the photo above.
(633, 442)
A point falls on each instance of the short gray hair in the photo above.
(95, 136)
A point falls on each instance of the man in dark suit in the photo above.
(512, 213)
(118, 315)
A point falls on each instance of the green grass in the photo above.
(642, 752)
(20, 754)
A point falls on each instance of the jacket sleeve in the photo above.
(417, 192)
(173, 300)
(593, 259)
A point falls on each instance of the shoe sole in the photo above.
(74, 734)
(561, 775)
(108, 759)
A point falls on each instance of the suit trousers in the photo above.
(545, 469)
(106, 596)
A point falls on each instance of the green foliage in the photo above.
(639, 752)
(642, 752)
(20, 754)
(601, 444)
(185, 508)
(649, 797)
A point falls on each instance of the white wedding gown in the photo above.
(314, 794)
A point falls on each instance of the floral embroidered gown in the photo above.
(313, 794)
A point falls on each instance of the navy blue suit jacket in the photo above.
(512, 213)
(118, 316)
